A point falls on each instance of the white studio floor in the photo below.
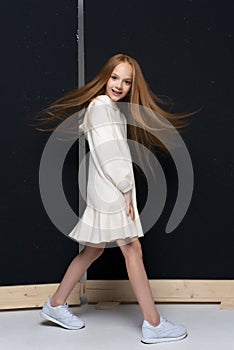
(209, 328)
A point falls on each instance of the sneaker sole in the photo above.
(49, 318)
(161, 340)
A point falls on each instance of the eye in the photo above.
(113, 77)
(128, 82)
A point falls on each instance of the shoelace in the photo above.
(68, 311)
(166, 321)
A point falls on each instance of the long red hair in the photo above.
(139, 96)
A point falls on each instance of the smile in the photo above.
(116, 92)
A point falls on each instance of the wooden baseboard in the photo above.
(163, 291)
(33, 296)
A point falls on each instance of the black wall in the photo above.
(185, 49)
(41, 65)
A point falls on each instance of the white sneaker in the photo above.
(61, 315)
(164, 332)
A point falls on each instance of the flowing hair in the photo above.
(143, 106)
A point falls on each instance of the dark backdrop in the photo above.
(41, 65)
(185, 49)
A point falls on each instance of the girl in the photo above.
(111, 215)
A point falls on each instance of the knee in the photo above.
(132, 249)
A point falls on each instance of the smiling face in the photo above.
(120, 82)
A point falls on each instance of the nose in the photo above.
(119, 85)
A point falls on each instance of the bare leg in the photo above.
(74, 272)
(139, 281)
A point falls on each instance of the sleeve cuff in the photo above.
(124, 186)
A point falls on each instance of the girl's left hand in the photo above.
(130, 210)
(129, 205)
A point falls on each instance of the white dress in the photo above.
(104, 221)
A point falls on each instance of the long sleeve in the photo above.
(106, 133)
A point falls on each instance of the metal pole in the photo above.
(80, 40)
(81, 82)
